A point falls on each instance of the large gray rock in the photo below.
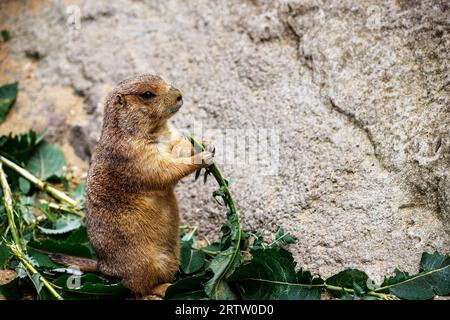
(357, 92)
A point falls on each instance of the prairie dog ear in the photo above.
(120, 101)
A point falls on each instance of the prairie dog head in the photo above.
(141, 105)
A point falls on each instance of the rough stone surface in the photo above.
(357, 90)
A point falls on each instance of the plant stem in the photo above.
(232, 213)
(29, 266)
(328, 287)
(219, 178)
(7, 200)
(61, 207)
(18, 248)
(278, 240)
(61, 196)
(351, 291)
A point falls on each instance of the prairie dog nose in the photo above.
(176, 92)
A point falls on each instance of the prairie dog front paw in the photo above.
(182, 148)
(203, 159)
(209, 146)
(208, 157)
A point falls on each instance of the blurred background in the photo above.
(357, 91)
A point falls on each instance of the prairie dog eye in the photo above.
(148, 95)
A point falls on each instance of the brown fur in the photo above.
(133, 215)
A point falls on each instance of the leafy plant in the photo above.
(41, 219)
(226, 260)
(5, 35)
(8, 95)
(38, 219)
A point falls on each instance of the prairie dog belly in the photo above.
(155, 216)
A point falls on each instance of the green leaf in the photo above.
(90, 286)
(191, 259)
(42, 260)
(35, 278)
(346, 296)
(219, 193)
(187, 289)
(46, 161)
(103, 289)
(24, 185)
(79, 236)
(399, 276)
(225, 262)
(79, 193)
(19, 148)
(225, 240)
(45, 295)
(222, 266)
(271, 275)
(26, 211)
(62, 225)
(5, 255)
(47, 211)
(213, 248)
(350, 279)
(197, 174)
(432, 262)
(434, 279)
(21, 270)
(283, 238)
(8, 95)
(188, 236)
(5, 35)
(258, 239)
(11, 290)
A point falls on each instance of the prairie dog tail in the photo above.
(84, 264)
